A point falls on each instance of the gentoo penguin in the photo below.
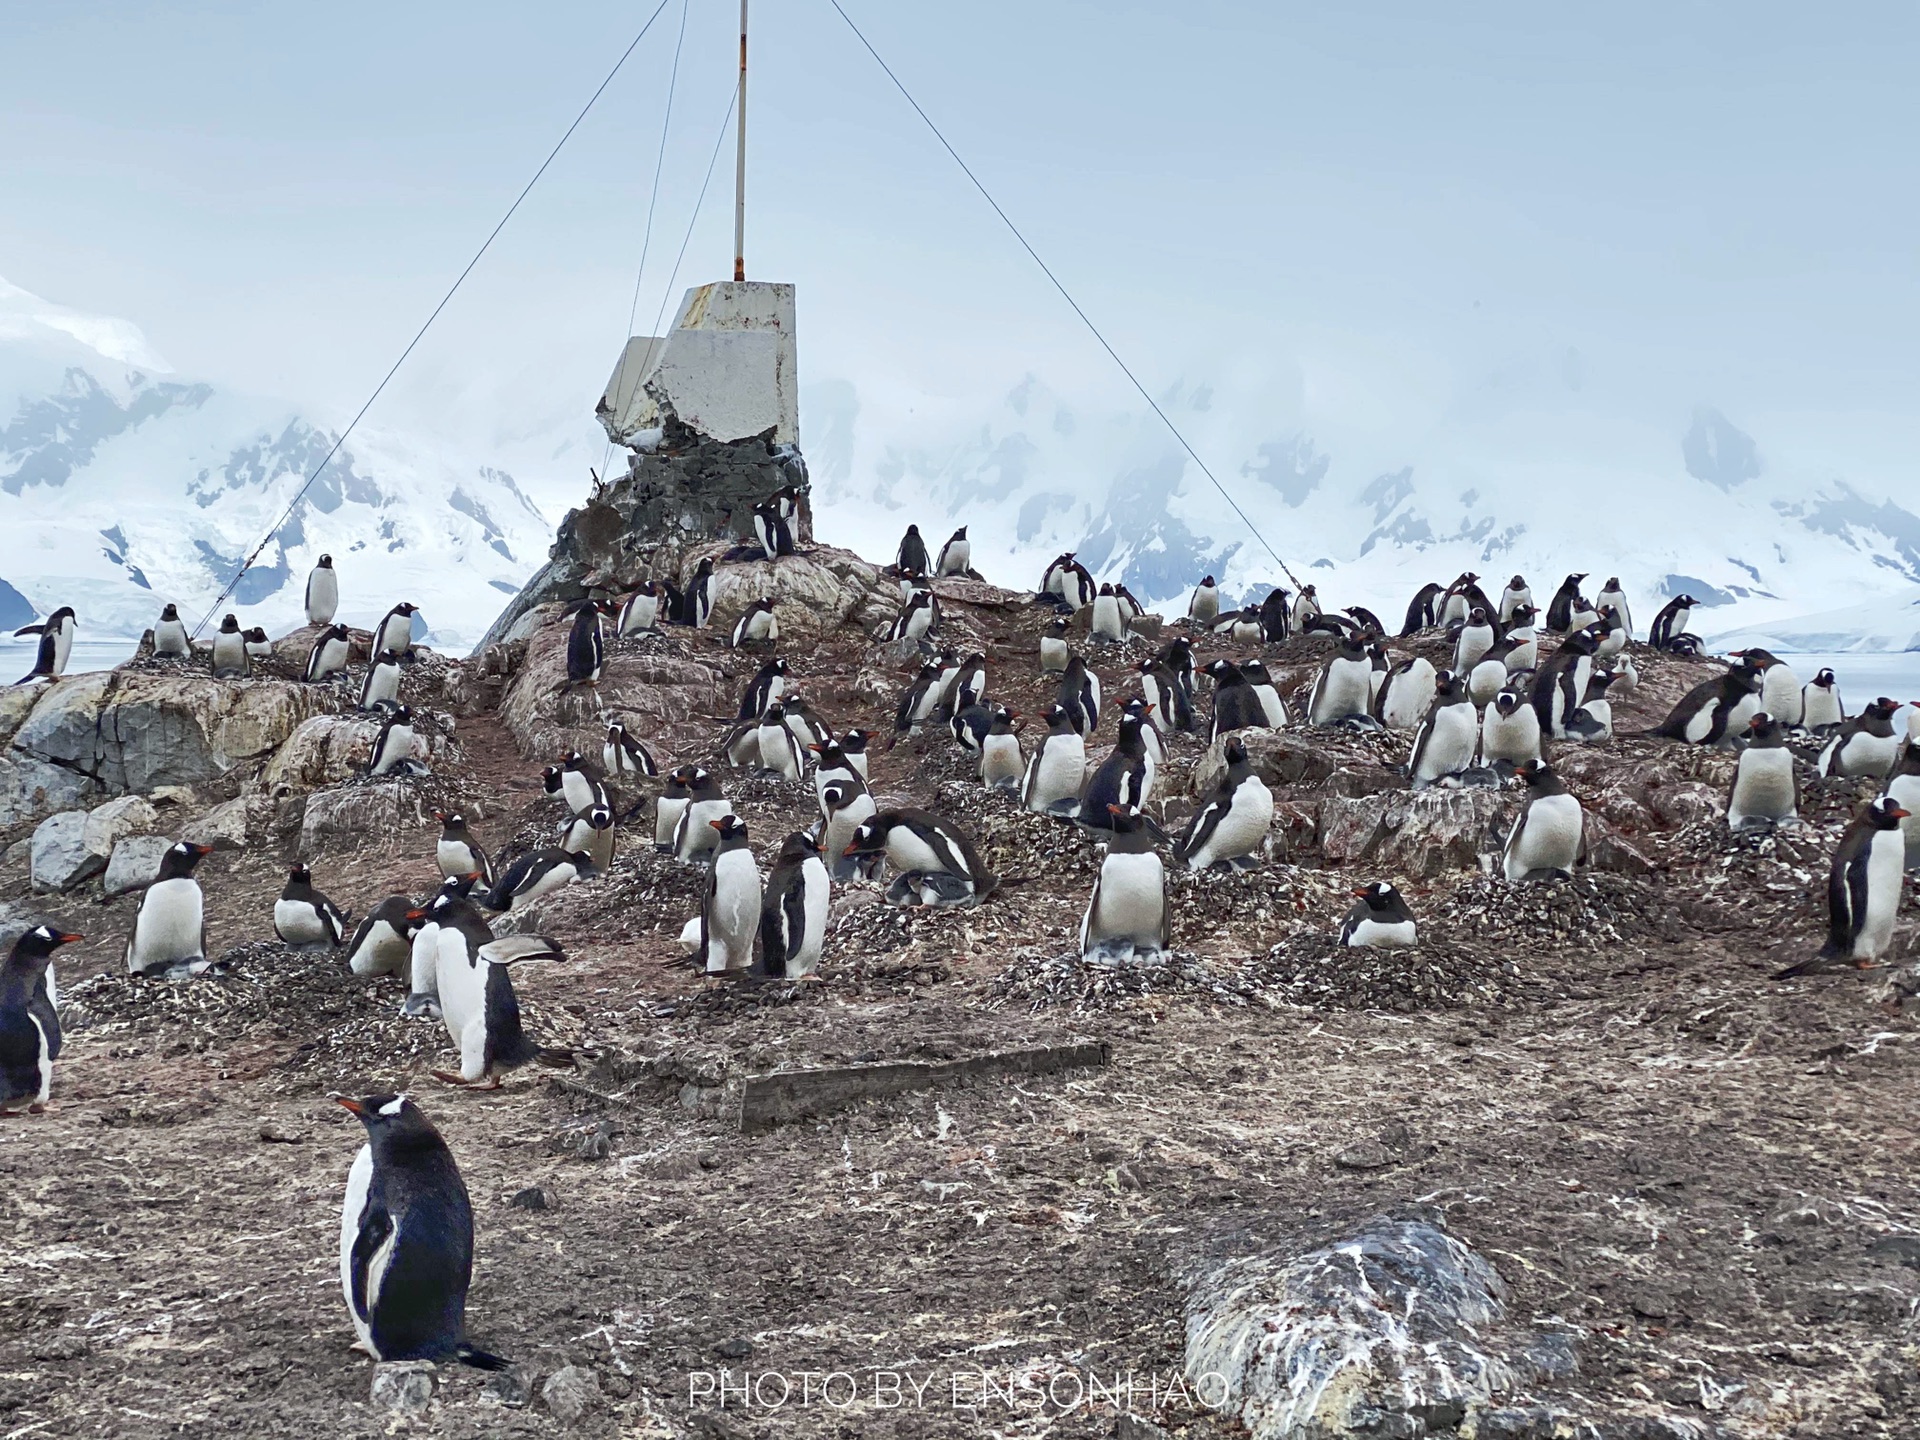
(1150, 730)
(592, 835)
(832, 763)
(1764, 787)
(1276, 617)
(1230, 827)
(1561, 684)
(937, 862)
(259, 647)
(1254, 672)
(1509, 731)
(698, 600)
(1054, 774)
(56, 643)
(1242, 626)
(457, 852)
(918, 618)
(1715, 710)
(1612, 597)
(1423, 611)
(323, 592)
(1123, 781)
(1381, 919)
(1172, 709)
(1612, 632)
(1236, 704)
(1549, 836)
(1130, 608)
(328, 657)
(1904, 790)
(1344, 686)
(769, 684)
(912, 554)
(1127, 913)
(1205, 604)
(1108, 624)
(1474, 640)
(694, 835)
(1306, 608)
(574, 782)
(1488, 677)
(170, 635)
(1068, 582)
(854, 743)
(1176, 658)
(1444, 745)
(29, 1025)
(1055, 650)
(846, 804)
(586, 645)
(1781, 694)
(919, 700)
(1863, 889)
(770, 528)
(541, 872)
(668, 809)
(956, 556)
(1592, 722)
(1517, 593)
(472, 987)
(303, 917)
(793, 912)
(393, 746)
(395, 630)
(1454, 605)
(1866, 744)
(1003, 763)
(730, 909)
(623, 756)
(971, 722)
(423, 951)
(381, 685)
(1560, 608)
(384, 941)
(169, 935)
(757, 625)
(962, 683)
(406, 1240)
(1079, 695)
(1820, 707)
(1406, 694)
(1583, 614)
(780, 753)
(231, 660)
(1671, 623)
(1523, 645)
(640, 611)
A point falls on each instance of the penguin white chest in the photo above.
(168, 927)
(1409, 696)
(1905, 789)
(1780, 695)
(816, 893)
(1057, 771)
(1886, 860)
(1107, 623)
(733, 914)
(1346, 688)
(1546, 837)
(551, 879)
(359, 1185)
(908, 850)
(323, 596)
(381, 952)
(1864, 754)
(844, 821)
(1452, 732)
(1744, 709)
(1242, 830)
(1512, 738)
(1484, 681)
(1383, 934)
(1000, 759)
(1129, 903)
(1762, 787)
(666, 815)
(461, 980)
(299, 923)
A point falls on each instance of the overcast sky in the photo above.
(1363, 202)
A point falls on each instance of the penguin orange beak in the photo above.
(1116, 810)
(1898, 814)
(1362, 894)
(472, 875)
(817, 749)
(851, 850)
(354, 1105)
(718, 824)
(66, 939)
(441, 816)
(201, 850)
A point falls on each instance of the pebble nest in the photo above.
(1591, 909)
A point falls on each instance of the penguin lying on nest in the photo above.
(937, 861)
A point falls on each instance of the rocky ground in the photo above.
(1693, 1185)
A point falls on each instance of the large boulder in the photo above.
(347, 815)
(59, 855)
(1282, 758)
(1419, 834)
(327, 749)
(31, 788)
(229, 826)
(114, 821)
(134, 864)
(1399, 1329)
(16, 703)
(813, 594)
(132, 731)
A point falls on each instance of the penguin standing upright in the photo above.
(780, 753)
(1560, 608)
(832, 763)
(912, 554)
(1671, 623)
(1276, 617)
(1054, 774)
(1406, 694)
(384, 941)
(1517, 593)
(771, 530)
(1121, 782)
(329, 654)
(640, 611)
(380, 688)
(622, 755)
(56, 644)
(423, 960)
(1820, 706)
(672, 804)
(730, 909)
(845, 805)
(1381, 919)
(1231, 825)
(1780, 690)
(1127, 913)
(323, 592)
(577, 786)
(1612, 597)
(592, 835)
(698, 600)
(1306, 608)
(1079, 695)
(1254, 672)
(477, 1003)
(395, 630)
(1445, 743)
(919, 617)
(1236, 705)
(1108, 624)
(29, 1026)
(769, 684)
(231, 661)
(854, 744)
(303, 917)
(1344, 686)
(919, 700)
(694, 835)
(586, 645)
(1509, 731)
(1561, 684)
(393, 746)
(757, 625)
(169, 934)
(937, 861)
(1055, 650)
(793, 911)
(170, 638)
(1205, 604)
(1549, 837)
(1866, 744)
(406, 1240)
(1764, 788)
(956, 556)
(1423, 611)
(1523, 645)
(1002, 762)
(1863, 889)
(457, 852)
(1903, 788)
(1476, 637)
(1172, 709)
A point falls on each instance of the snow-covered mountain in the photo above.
(1532, 469)
(123, 487)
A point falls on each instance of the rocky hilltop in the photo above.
(1573, 1165)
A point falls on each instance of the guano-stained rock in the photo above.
(1421, 835)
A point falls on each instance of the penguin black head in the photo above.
(550, 779)
(31, 950)
(733, 831)
(1236, 751)
(230, 625)
(1886, 813)
(1685, 602)
(1448, 685)
(451, 819)
(836, 796)
(392, 1119)
(1522, 615)
(775, 713)
(1207, 582)
(1506, 702)
(326, 562)
(871, 837)
(299, 874)
(1127, 820)
(913, 529)
(1826, 679)
(599, 818)
(1518, 582)
(180, 859)
(1765, 733)
(797, 847)
(1477, 616)
(1379, 896)
(1057, 627)
(256, 634)
(403, 714)
(1106, 588)
(406, 607)
(1540, 777)
(170, 612)
(1224, 672)
(458, 887)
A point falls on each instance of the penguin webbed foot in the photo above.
(420, 1007)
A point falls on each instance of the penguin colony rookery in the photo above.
(1519, 683)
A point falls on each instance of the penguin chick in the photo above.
(1380, 920)
(935, 858)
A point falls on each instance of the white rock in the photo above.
(402, 1386)
(571, 1392)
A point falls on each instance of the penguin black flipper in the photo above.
(480, 1359)
(376, 1229)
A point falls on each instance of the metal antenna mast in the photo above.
(740, 161)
